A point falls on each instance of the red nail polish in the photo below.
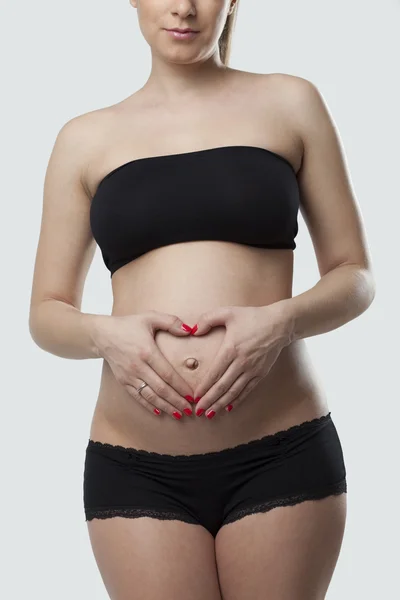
(186, 327)
(177, 415)
(187, 411)
(189, 398)
(197, 399)
(199, 412)
(210, 414)
(229, 407)
(157, 411)
(195, 328)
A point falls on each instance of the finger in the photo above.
(166, 322)
(251, 384)
(162, 390)
(132, 391)
(152, 402)
(221, 362)
(220, 388)
(213, 318)
(164, 371)
(231, 393)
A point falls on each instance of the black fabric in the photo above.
(242, 194)
(304, 462)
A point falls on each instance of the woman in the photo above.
(213, 469)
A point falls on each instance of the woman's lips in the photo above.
(178, 35)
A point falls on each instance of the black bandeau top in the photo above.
(242, 194)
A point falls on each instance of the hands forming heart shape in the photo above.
(254, 338)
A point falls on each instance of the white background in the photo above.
(61, 59)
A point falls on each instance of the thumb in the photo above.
(171, 323)
(212, 318)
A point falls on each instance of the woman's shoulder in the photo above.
(88, 134)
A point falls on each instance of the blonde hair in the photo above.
(225, 41)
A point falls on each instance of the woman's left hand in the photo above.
(254, 338)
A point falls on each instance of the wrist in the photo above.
(285, 320)
(94, 326)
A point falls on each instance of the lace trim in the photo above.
(273, 438)
(132, 513)
(333, 490)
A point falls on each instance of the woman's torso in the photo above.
(187, 279)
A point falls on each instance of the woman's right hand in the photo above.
(127, 344)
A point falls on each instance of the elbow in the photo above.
(362, 284)
(365, 287)
(34, 329)
(35, 325)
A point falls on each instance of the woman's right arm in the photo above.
(64, 254)
(65, 250)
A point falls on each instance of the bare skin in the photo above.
(289, 553)
(146, 559)
(186, 280)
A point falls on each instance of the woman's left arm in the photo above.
(331, 213)
(255, 336)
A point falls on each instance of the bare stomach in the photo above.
(187, 280)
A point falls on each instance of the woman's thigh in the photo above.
(146, 558)
(287, 553)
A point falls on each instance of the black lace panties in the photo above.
(304, 462)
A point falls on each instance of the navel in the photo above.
(191, 363)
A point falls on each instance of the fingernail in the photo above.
(199, 412)
(197, 399)
(186, 327)
(195, 328)
(190, 398)
(187, 411)
(157, 411)
(210, 414)
(177, 415)
(229, 407)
